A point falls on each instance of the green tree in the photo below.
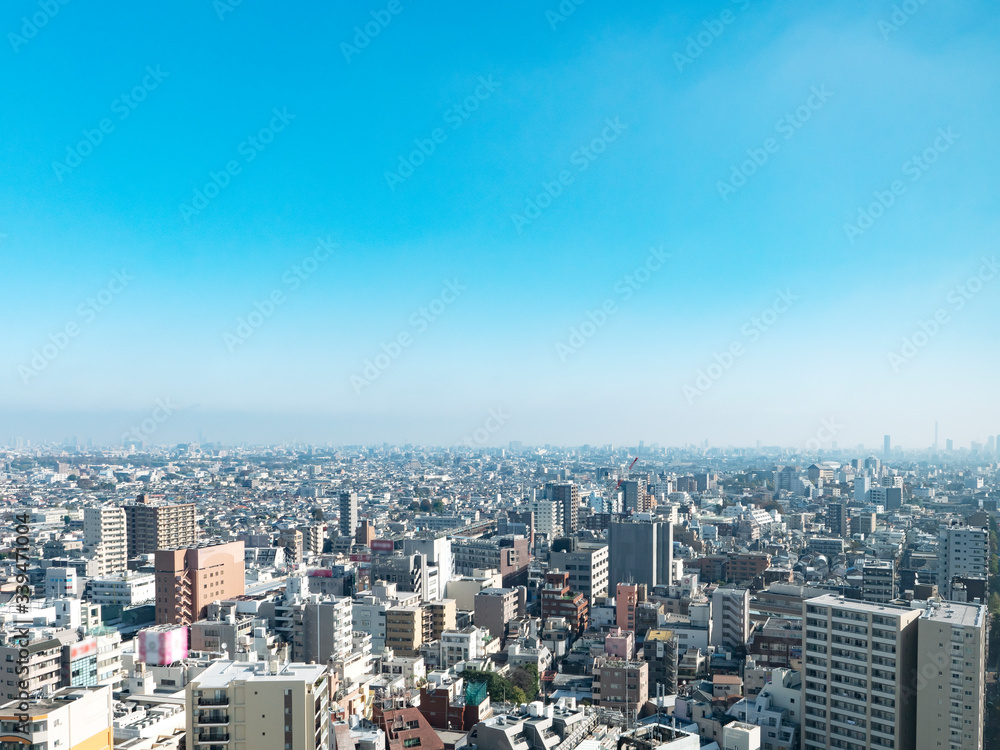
(521, 678)
(498, 688)
(994, 603)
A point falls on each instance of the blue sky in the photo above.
(694, 91)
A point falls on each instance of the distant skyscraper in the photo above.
(949, 445)
(886, 447)
(348, 513)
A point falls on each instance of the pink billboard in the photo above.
(158, 647)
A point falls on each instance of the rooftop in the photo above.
(221, 673)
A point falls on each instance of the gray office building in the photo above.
(640, 553)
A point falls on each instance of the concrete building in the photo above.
(878, 581)
(738, 735)
(951, 668)
(61, 583)
(105, 535)
(566, 496)
(463, 590)
(348, 513)
(259, 705)
(155, 527)
(559, 600)
(494, 608)
(660, 653)
(963, 552)
(507, 554)
(547, 517)
(620, 684)
(404, 629)
(188, 580)
(634, 495)
(124, 589)
(858, 689)
(76, 718)
(730, 617)
(586, 563)
(43, 662)
(437, 550)
(324, 630)
(640, 552)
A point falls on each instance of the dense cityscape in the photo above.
(517, 598)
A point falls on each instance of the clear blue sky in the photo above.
(834, 102)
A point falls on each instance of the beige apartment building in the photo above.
(156, 527)
(256, 705)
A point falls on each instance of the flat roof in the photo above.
(953, 613)
(221, 673)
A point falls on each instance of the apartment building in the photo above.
(951, 671)
(963, 552)
(250, 705)
(404, 629)
(586, 563)
(44, 664)
(730, 617)
(105, 535)
(507, 554)
(878, 581)
(494, 608)
(858, 683)
(154, 527)
(77, 718)
(188, 580)
(547, 517)
(620, 684)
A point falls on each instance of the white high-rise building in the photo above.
(951, 669)
(861, 486)
(547, 517)
(963, 551)
(730, 617)
(104, 534)
(859, 675)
